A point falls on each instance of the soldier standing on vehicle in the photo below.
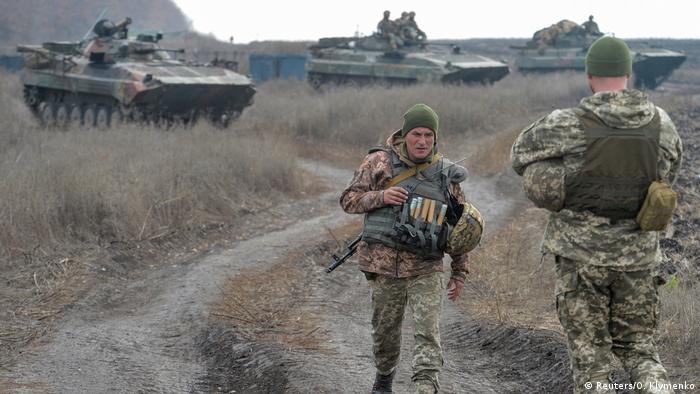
(402, 21)
(591, 27)
(396, 254)
(412, 31)
(388, 29)
(386, 25)
(593, 166)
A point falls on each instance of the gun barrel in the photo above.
(338, 261)
(30, 49)
(335, 265)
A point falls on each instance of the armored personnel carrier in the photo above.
(110, 77)
(377, 59)
(563, 46)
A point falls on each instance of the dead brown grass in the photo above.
(679, 331)
(266, 305)
(133, 184)
(350, 120)
(511, 281)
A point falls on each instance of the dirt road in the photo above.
(156, 333)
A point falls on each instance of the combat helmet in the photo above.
(467, 232)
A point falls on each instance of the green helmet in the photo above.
(467, 233)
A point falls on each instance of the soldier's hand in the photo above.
(395, 195)
(454, 288)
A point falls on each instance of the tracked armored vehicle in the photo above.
(110, 78)
(373, 59)
(563, 46)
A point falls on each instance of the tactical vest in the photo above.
(619, 165)
(395, 225)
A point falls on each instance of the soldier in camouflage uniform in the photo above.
(411, 32)
(607, 268)
(591, 27)
(401, 277)
(388, 29)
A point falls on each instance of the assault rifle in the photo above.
(337, 261)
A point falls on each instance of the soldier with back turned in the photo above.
(594, 167)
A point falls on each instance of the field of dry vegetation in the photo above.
(65, 191)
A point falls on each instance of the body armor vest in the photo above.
(619, 165)
(420, 225)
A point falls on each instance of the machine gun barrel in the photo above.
(337, 261)
(31, 49)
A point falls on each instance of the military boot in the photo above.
(425, 386)
(382, 383)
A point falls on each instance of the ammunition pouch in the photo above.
(658, 207)
(397, 228)
(424, 223)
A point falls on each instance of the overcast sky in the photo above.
(308, 20)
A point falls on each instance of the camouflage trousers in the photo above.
(604, 313)
(390, 296)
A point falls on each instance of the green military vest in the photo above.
(393, 226)
(619, 165)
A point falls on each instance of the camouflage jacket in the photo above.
(365, 193)
(554, 146)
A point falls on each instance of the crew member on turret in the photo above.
(591, 27)
(388, 29)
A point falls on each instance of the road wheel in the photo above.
(315, 81)
(89, 116)
(62, 115)
(47, 114)
(75, 116)
(102, 117)
(31, 96)
(116, 117)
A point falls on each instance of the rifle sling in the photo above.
(412, 171)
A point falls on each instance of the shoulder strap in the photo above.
(412, 171)
(376, 149)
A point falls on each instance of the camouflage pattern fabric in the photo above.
(386, 26)
(553, 147)
(389, 29)
(364, 193)
(606, 312)
(389, 299)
